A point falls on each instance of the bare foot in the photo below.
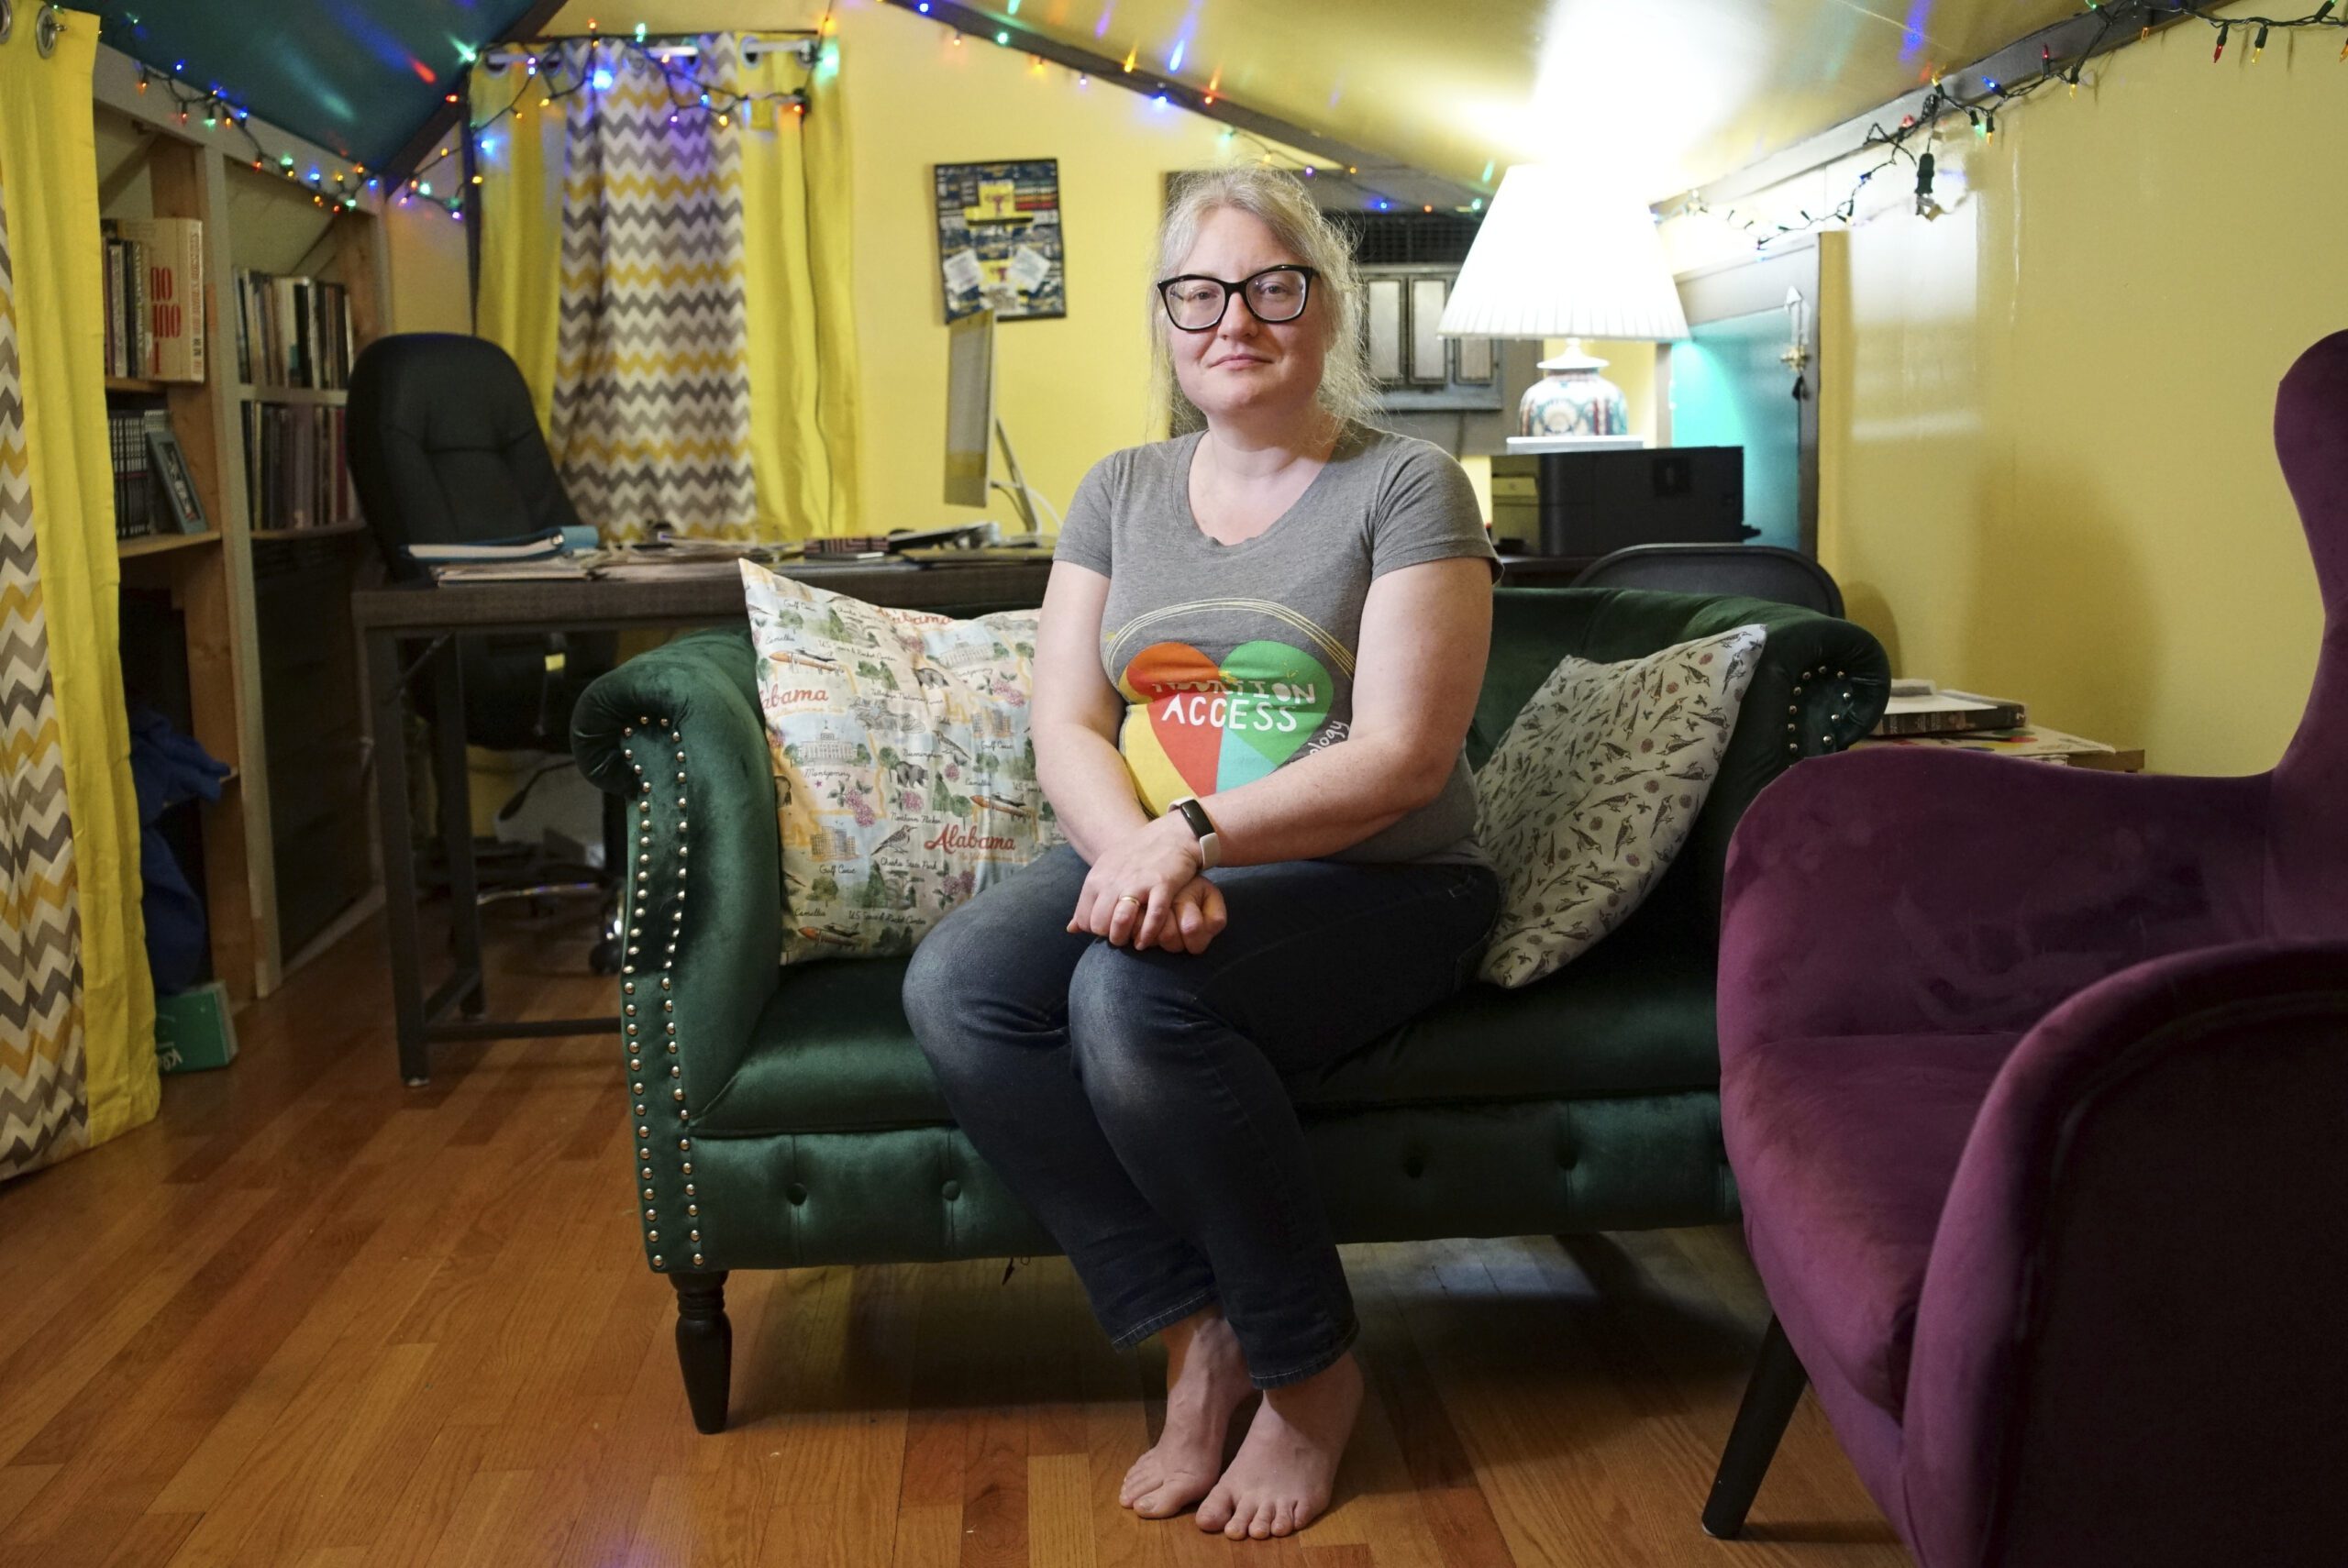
(1206, 1380)
(1287, 1467)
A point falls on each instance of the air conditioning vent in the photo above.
(1403, 239)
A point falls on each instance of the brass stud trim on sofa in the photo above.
(642, 903)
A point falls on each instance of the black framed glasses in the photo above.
(1195, 302)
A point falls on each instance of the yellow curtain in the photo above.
(520, 151)
(795, 213)
(797, 262)
(58, 472)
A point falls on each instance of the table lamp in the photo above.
(1564, 252)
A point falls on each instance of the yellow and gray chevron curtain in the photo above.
(77, 1011)
(677, 289)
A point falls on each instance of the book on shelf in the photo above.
(176, 502)
(1940, 712)
(134, 493)
(292, 331)
(154, 298)
(297, 474)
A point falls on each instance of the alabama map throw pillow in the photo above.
(904, 779)
(1593, 791)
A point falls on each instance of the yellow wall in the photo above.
(2048, 469)
(430, 291)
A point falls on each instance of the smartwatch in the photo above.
(1210, 845)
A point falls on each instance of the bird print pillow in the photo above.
(904, 778)
(1592, 790)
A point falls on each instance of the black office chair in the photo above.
(1758, 571)
(445, 448)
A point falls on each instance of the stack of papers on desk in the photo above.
(526, 547)
(667, 571)
(543, 568)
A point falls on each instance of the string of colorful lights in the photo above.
(216, 107)
(1166, 90)
(1941, 104)
(596, 70)
(341, 187)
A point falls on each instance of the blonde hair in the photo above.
(1281, 202)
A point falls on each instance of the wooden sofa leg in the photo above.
(1770, 1400)
(704, 1346)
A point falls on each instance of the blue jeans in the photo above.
(1134, 1101)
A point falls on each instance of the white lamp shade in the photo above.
(1563, 254)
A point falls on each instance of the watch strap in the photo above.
(1203, 825)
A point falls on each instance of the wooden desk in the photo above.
(391, 619)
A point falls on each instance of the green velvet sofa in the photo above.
(784, 1116)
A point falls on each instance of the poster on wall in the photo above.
(999, 245)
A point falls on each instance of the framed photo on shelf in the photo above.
(174, 486)
(1000, 244)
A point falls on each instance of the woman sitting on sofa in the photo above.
(1260, 650)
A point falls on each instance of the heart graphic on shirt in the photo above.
(1216, 724)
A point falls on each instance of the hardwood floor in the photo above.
(312, 1317)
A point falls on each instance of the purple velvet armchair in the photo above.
(2035, 1086)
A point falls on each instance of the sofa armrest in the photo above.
(1821, 683)
(675, 734)
(1905, 891)
(2132, 1263)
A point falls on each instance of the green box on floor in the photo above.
(194, 1030)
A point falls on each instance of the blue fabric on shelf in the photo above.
(166, 768)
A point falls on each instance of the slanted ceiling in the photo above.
(1671, 92)
(358, 76)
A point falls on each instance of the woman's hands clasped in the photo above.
(1146, 891)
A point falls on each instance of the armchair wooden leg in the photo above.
(1770, 1400)
(704, 1346)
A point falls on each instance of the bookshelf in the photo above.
(304, 397)
(205, 635)
(155, 543)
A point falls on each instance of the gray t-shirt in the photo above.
(1234, 659)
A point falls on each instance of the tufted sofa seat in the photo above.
(785, 1117)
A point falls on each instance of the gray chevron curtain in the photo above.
(652, 390)
(44, 1102)
(673, 280)
(77, 1019)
